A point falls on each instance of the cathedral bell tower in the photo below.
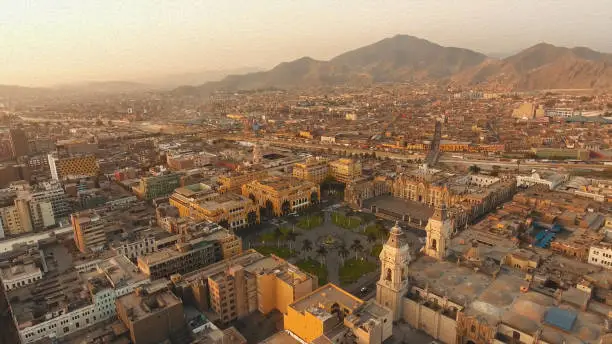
(439, 229)
(393, 282)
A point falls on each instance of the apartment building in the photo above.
(75, 166)
(313, 170)
(206, 244)
(89, 231)
(281, 195)
(249, 282)
(345, 170)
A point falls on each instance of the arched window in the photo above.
(434, 244)
(388, 278)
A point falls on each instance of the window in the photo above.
(473, 328)
(66, 329)
(516, 335)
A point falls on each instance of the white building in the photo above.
(328, 139)
(20, 276)
(601, 254)
(551, 181)
(110, 279)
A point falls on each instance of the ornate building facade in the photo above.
(393, 282)
(281, 195)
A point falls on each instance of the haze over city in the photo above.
(54, 42)
(292, 172)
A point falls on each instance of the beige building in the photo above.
(313, 170)
(528, 111)
(89, 231)
(345, 170)
(15, 219)
(281, 195)
(249, 282)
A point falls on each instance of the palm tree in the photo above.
(371, 237)
(343, 253)
(321, 252)
(291, 236)
(356, 246)
(306, 245)
(383, 232)
(278, 234)
(474, 169)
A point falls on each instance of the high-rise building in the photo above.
(19, 142)
(247, 283)
(89, 231)
(76, 166)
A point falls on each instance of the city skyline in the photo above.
(69, 41)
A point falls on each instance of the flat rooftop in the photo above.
(325, 297)
(155, 300)
(282, 337)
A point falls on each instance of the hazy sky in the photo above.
(56, 41)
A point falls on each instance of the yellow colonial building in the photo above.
(233, 182)
(202, 203)
(281, 195)
(345, 170)
(313, 170)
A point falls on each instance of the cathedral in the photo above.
(459, 293)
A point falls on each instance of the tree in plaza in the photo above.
(371, 237)
(291, 236)
(306, 245)
(474, 169)
(343, 252)
(383, 232)
(278, 234)
(321, 252)
(356, 246)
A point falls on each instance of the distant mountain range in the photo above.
(152, 83)
(405, 58)
(400, 58)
